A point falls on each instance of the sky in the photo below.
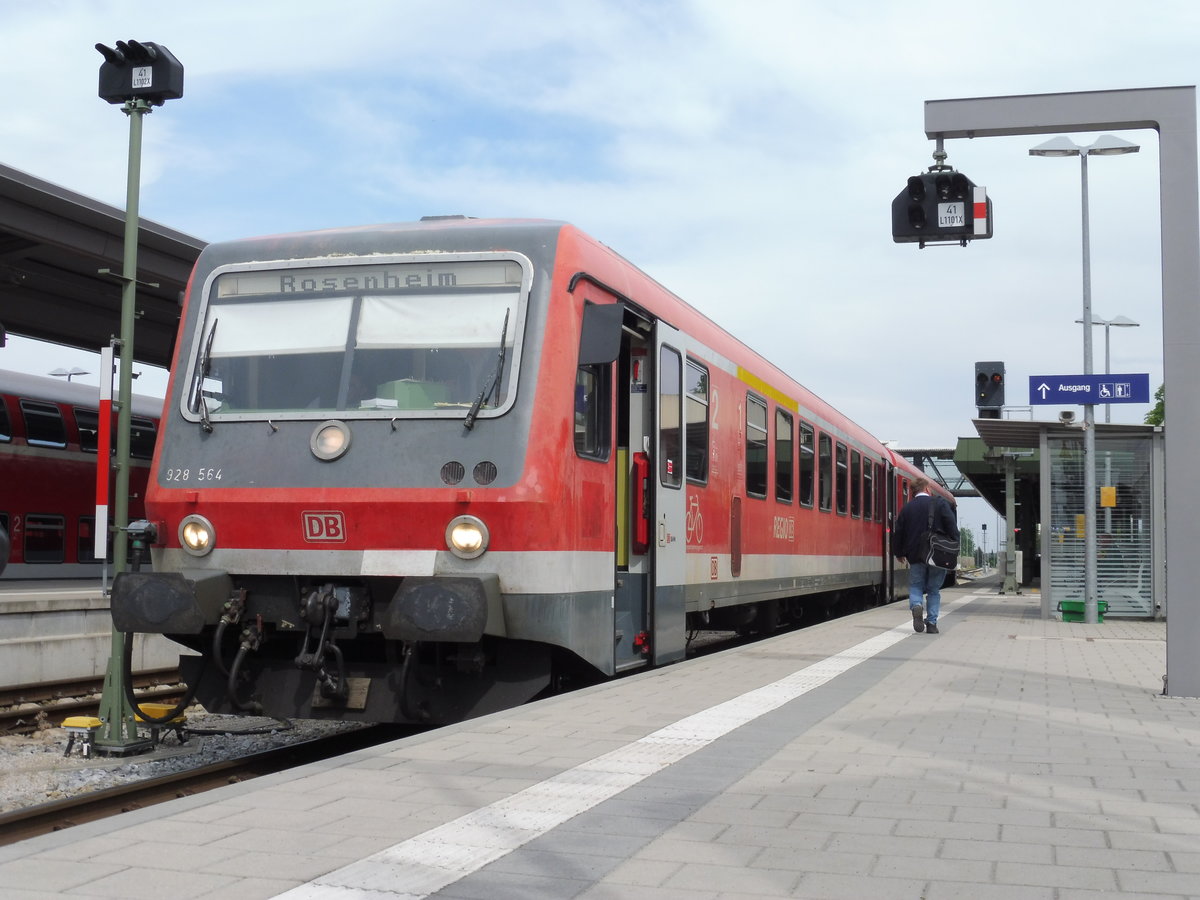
(744, 154)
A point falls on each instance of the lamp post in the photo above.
(1105, 145)
(68, 373)
(1119, 322)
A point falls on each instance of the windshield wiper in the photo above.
(199, 404)
(494, 384)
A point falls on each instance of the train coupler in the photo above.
(321, 606)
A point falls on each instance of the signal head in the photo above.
(989, 388)
(139, 70)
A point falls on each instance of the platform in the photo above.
(61, 631)
(1006, 757)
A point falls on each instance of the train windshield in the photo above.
(397, 339)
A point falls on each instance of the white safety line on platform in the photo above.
(421, 865)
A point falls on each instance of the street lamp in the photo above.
(69, 373)
(1119, 322)
(1105, 145)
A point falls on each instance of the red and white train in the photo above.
(48, 437)
(421, 472)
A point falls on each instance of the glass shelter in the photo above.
(1049, 489)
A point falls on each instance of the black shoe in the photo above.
(918, 613)
(930, 628)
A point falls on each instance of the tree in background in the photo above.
(966, 541)
(1157, 415)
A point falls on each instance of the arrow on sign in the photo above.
(1043, 388)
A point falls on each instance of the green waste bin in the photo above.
(1072, 610)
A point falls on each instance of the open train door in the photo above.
(649, 625)
(668, 619)
(632, 644)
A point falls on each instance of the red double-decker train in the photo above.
(425, 471)
(48, 436)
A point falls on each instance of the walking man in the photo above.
(909, 543)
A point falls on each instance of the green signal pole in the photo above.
(139, 75)
(118, 732)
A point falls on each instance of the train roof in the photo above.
(59, 390)
(461, 233)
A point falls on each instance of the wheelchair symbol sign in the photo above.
(1115, 390)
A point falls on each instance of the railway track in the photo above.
(17, 825)
(24, 708)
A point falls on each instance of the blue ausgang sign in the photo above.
(1082, 390)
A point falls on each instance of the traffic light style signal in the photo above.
(941, 206)
(139, 70)
(989, 389)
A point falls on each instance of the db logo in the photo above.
(324, 525)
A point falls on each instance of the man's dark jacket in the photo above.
(913, 522)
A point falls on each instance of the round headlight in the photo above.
(467, 537)
(196, 535)
(330, 440)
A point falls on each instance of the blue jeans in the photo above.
(925, 581)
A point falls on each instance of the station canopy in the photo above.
(52, 244)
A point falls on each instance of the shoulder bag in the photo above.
(943, 549)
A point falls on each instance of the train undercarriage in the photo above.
(385, 650)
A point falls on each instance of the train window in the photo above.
(855, 484)
(825, 462)
(756, 446)
(141, 438)
(669, 402)
(44, 426)
(696, 389)
(868, 504)
(807, 464)
(88, 423)
(592, 411)
(5, 425)
(783, 456)
(880, 493)
(388, 339)
(843, 481)
(45, 539)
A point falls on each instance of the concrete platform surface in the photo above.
(1007, 757)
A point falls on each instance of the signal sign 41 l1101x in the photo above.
(941, 206)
